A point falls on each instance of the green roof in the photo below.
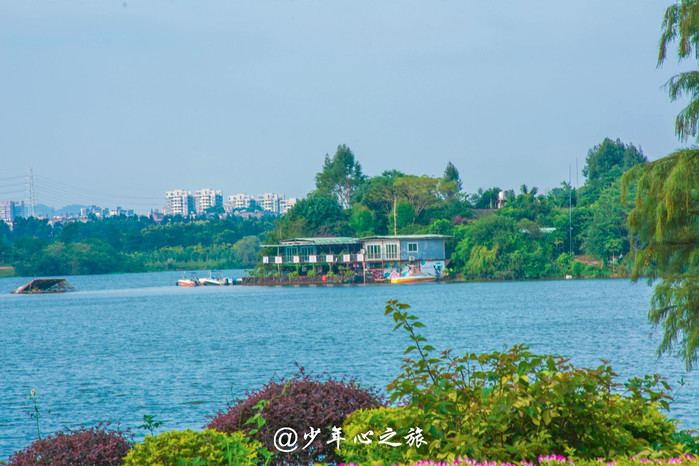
(339, 240)
(324, 241)
(426, 236)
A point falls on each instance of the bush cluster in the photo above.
(188, 447)
(299, 403)
(94, 446)
(515, 404)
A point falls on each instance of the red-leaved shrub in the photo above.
(300, 403)
(96, 446)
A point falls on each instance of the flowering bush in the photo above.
(95, 446)
(552, 460)
(300, 403)
(189, 447)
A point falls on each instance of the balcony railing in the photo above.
(313, 259)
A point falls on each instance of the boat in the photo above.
(413, 279)
(45, 285)
(215, 280)
(191, 281)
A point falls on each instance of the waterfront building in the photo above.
(378, 257)
(10, 210)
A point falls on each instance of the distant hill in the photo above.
(71, 209)
(40, 210)
(44, 210)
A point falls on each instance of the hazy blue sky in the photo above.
(115, 102)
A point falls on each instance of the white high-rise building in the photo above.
(270, 202)
(240, 201)
(286, 204)
(206, 198)
(179, 202)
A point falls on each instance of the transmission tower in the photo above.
(32, 195)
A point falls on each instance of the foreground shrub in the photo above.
(515, 405)
(300, 403)
(189, 447)
(95, 446)
(372, 424)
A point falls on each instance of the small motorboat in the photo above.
(191, 281)
(214, 280)
(413, 279)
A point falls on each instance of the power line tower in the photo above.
(31, 194)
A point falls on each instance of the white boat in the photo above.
(215, 280)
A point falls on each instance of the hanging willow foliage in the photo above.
(664, 227)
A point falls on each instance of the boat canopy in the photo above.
(45, 285)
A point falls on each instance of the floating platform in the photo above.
(45, 285)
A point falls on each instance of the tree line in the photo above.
(495, 233)
(129, 244)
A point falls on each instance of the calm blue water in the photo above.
(128, 345)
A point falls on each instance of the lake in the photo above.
(127, 345)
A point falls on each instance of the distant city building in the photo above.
(118, 212)
(186, 203)
(207, 198)
(98, 212)
(179, 202)
(286, 204)
(246, 214)
(157, 215)
(239, 201)
(270, 202)
(10, 210)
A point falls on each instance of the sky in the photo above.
(115, 102)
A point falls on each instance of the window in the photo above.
(306, 251)
(391, 251)
(373, 251)
(290, 252)
(412, 247)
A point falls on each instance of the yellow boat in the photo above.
(413, 279)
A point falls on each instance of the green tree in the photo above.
(605, 163)
(452, 180)
(245, 250)
(362, 220)
(606, 233)
(485, 199)
(681, 23)
(341, 176)
(318, 212)
(665, 232)
(420, 192)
